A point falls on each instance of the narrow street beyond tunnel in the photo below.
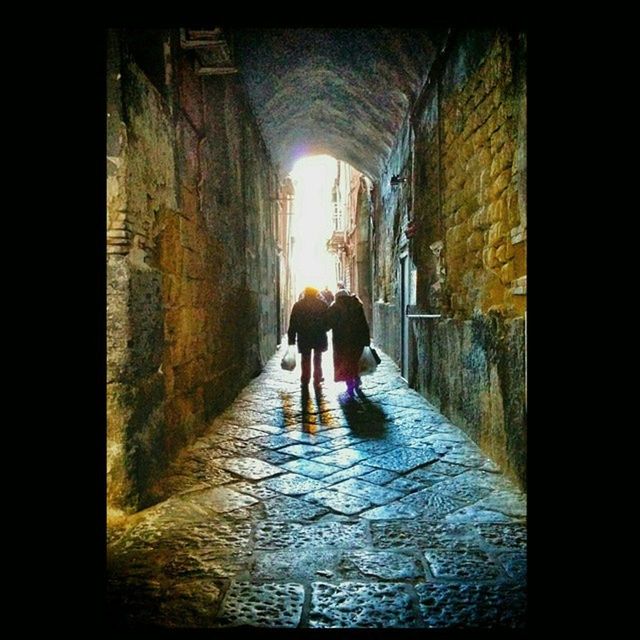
(320, 511)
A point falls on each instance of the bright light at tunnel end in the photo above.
(311, 263)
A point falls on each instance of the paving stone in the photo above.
(307, 438)
(309, 468)
(253, 512)
(262, 605)
(221, 499)
(293, 484)
(379, 476)
(403, 460)
(241, 447)
(431, 504)
(467, 456)
(462, 565)
(509, 503)
(273, 442)
(336, 432)
(375, 447)
(255, 490)
(393, 511)
(345, 474)
(248, 467)
(373, 493)
(303, 450)
(292, 509)
(472, 605)
(515, 565)
(385, 565)
(240, 433)
(284, 535)
(420, 535)
(503, 535)
(404, 485)
(342, 457)
(474, 515)
(272, 457)
(268, 428)
(437, 468)
(206, 563)
(464, 489)
(221, 534)
(359, 604)
(301, 565)
(347, 440)
(340, 502)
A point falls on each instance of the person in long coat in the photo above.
(350, 335)
(307, 324)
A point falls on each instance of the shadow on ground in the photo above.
(366, 418)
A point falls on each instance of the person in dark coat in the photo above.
(327, 296)
(350, 331)
(308, 324)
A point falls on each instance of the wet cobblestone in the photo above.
(361, 604)
(472, 605)
(325, 513)
(262, 605)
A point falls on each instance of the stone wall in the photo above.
(191, 250)
(463, 156)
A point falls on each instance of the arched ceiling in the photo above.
(343, 92)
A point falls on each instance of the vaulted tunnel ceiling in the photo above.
(343, 92)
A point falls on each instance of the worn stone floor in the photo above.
(319, 511)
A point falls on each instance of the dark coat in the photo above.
(350, 328)
(327, 296)
(308, 322)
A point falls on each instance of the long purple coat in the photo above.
(350, 334)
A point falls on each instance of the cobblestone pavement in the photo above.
(319, 511)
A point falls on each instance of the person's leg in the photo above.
(317, 367)
(305, 365)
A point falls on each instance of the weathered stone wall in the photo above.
(466, 194)
(191, 261)
(390, 204)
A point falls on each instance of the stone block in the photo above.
(475, 241)
(498, 138)
(507, 273)
(513, 207)
(505, 252)
(480, 219)
(118, 249)
(497, 233)
(489, 257)
(500, 184)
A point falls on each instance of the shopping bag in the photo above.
(367, 364)
(288, 362)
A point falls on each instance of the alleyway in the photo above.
(322, 512)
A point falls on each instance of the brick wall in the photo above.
(462, 153)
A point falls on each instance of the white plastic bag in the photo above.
(289, 359)
(367, 364)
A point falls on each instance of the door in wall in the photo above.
(404, 321)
